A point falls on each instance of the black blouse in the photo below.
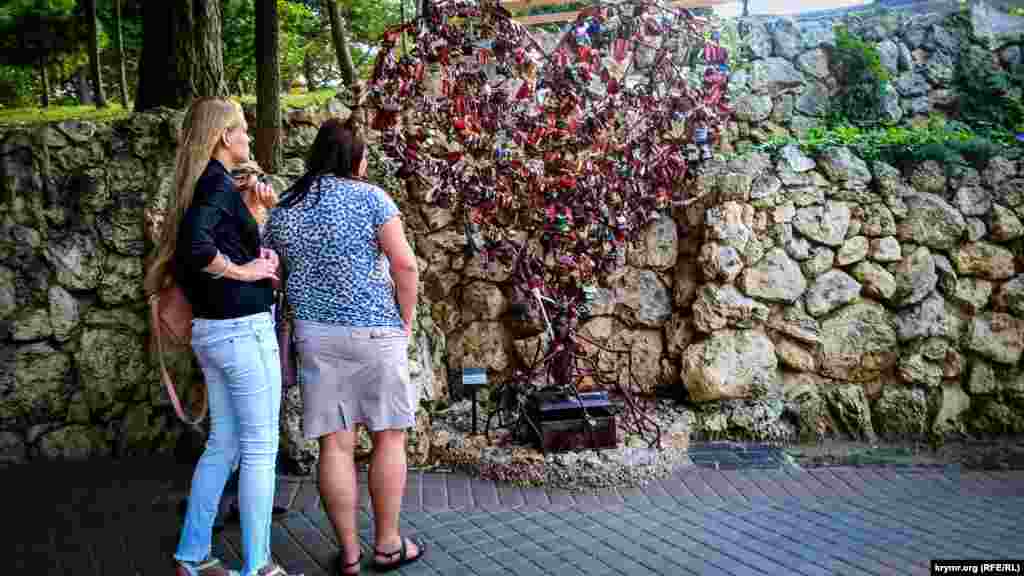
(219, 220)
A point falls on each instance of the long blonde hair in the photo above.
(201, 130)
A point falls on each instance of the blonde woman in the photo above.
(211, 246)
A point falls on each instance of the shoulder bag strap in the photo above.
(165, 377)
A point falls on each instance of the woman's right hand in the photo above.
(258, 269)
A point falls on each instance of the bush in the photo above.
(861, 95)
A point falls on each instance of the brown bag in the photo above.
(171, 321)
(285, 341)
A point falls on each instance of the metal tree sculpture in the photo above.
(575, 148)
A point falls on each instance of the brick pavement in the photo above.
(121, 518)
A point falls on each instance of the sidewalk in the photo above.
(120, 518)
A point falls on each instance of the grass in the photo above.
(36, 115)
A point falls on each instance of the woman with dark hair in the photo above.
(351, 287)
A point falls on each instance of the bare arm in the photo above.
(403, 267)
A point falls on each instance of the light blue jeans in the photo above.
(240, 363)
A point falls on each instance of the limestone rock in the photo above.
(857, 343)
(74, 443)
(802, 392)
(841, 165)
(915, 277)
(947, 274)
(479, 345)
(830, 291)
(999, 170)
(719, 306)
(34, 383)
(78, 260)
(482, 301)
(825, 224)
(983, 378)
(854, 250)
(773, 75)
(915, 368)
(901, 413)
(1005, 224)
(931, 222)
(122, 280)
(814, 100)
(8, 296)
(797, 324)
(849, 407)
(886, 250)
(932, 317)
(877, 281)
(64, 314)
(642, 298)
(109, 363)
(997, 336)
(1010, 295)
(685, 282)
(820, 262)
(795, 355)
(976, 229)
(730, 223)
(796, 160)
(983, 259)
(929, 177)
(658, 245)
(719, 263)
(973, 201)
(754, 108)
(878, 220)
(679, 334)
(32, 324)
(953, 404)
(815, 63)
(730, 364)
(776, 278)
(974, 293)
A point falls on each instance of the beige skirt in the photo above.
(354, 376)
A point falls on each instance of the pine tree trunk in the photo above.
(44, 77)
(268, 87)
(341, 48)
(119, 42)
(182, 56)
(94, 54)
(208, 71)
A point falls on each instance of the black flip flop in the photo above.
(343, 568)
(403, 556)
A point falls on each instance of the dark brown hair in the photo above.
(337, 151)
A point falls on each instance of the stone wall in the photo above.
(79, 206)
(841, 297)
(784, 82)
(804, 297)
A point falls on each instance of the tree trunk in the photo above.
(340, 38)
(94, 54)
(44, 77)
(268, 87)
(182, 56)
(85, 93)
(312, 84)
(208, 66)
(119, 43)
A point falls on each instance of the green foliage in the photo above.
(864, 80)
(17, 85)
(297, 23)
(988, 96)
(22, 116)
(949, 143)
